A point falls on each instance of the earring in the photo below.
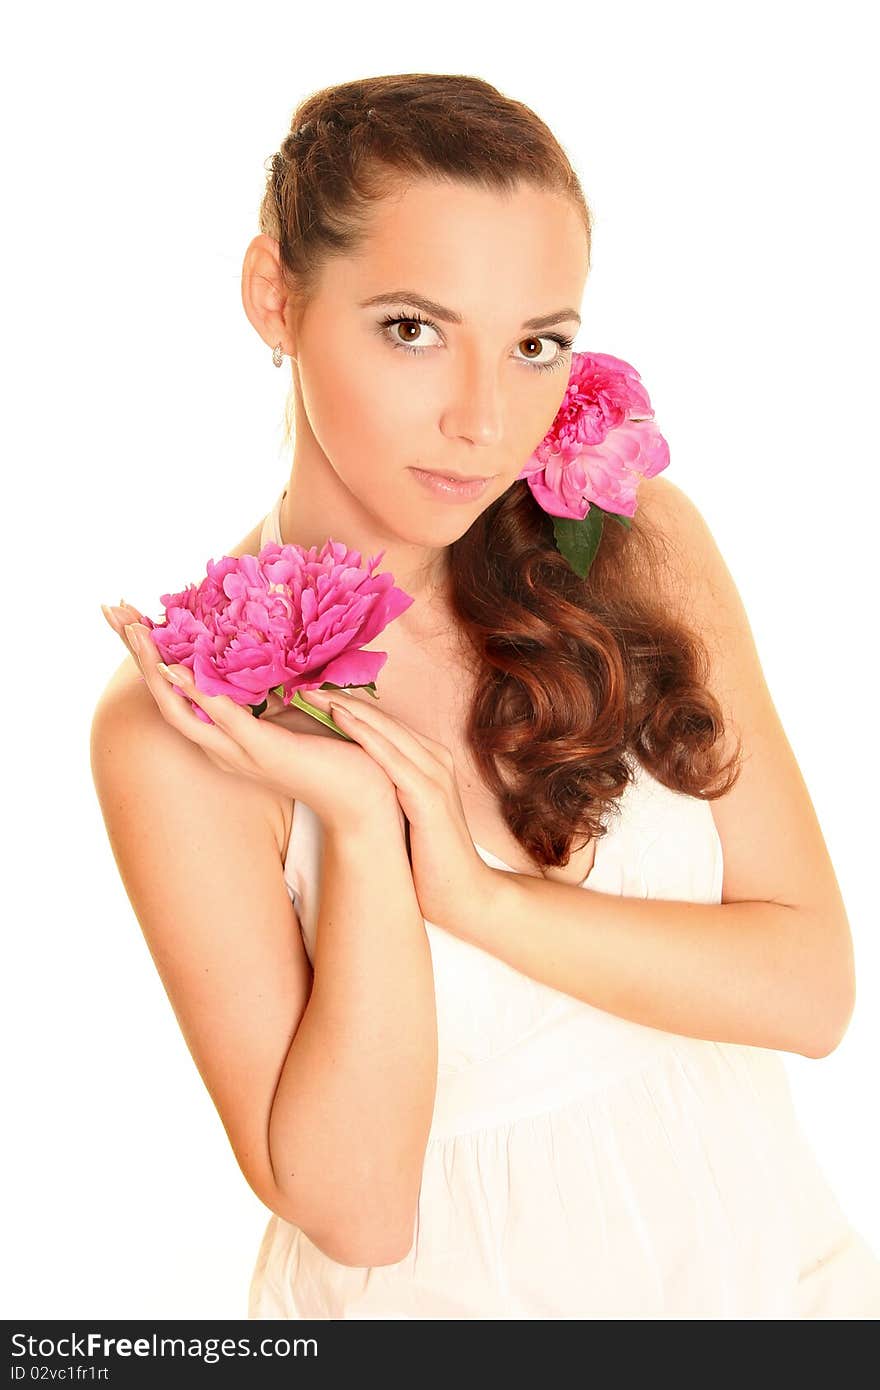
(277, 355)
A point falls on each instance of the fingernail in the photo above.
(133, 635)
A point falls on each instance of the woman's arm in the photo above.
(353, 1108)
(324, 1083)
(772, 965)
(752, 972)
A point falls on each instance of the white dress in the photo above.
(580, 1165)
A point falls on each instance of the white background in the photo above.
(725, 153)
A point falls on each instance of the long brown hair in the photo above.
(571, 673)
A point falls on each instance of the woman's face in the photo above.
(470, 389)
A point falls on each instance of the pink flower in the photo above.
(601, 443)
(288, 618)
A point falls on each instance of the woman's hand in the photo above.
(285, 748)
(448, 873)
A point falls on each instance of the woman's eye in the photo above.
(407, 331)
(411, 338)
(559, 344)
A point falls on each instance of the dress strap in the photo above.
(271, 530)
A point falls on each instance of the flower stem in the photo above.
(321, 715)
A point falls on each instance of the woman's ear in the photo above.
(265, 295)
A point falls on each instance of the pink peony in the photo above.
(289, 618)
(603, 440)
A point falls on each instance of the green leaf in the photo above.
(624, 520)
(577, 540)
(370, 687)
(257, 710)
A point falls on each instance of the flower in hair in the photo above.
(602, 442)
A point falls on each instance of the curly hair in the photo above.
(572, 674)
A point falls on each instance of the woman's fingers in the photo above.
(423, 751)
(111, 614)
(127, 622)
(421, 769)
(118, 615)
(175, 707)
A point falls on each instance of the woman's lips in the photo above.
(451, 489)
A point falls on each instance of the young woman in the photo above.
(514, 1053)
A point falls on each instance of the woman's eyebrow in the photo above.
(439, 311)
